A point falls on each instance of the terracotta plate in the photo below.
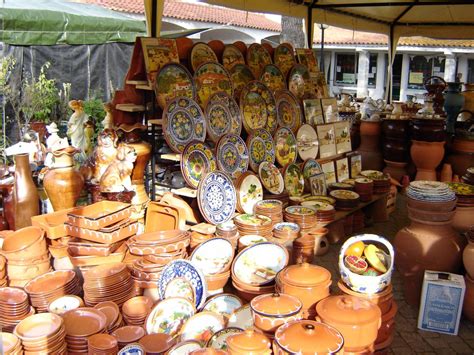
(201, 53)
(261, 148)
(173, 80)
(82, 322)
(289, 110)
(271, 178)
(257, 58)
(232, 56)
(285, 146)
(210, 78)
(38, 326)
(228, 101)
(294, 180)
(249, 192)
(273, 78)
(197, 160)
(258, 107)
(232, 155)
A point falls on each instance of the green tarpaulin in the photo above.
(49, 22)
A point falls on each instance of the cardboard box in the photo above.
(442, 298)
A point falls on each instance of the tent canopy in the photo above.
(50, 22)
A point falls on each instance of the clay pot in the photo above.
(358, 320)
(468, 94)
(463, 218)
(355, 135)
(370, 145)
(395, 169)
(208, 351)
(426, 246)
(428, 130)
(25, 195)
(444, 206)
(321, 243)
(468, 306)
(461, 155)
(395, 149)
(370, 128)
(468, 255)
(395, 129)
(382, 299)
(431, 216)
(248, 342)
(387, 329)
(426, 156)
(446, 173)
(217, 282)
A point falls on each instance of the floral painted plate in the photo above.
(273, 78)
(294, 180)
(284, 57)
(210, 78)
(308, 143)
(241, 75)
(241, 318)
(173, 80)
(257, 58)
(232, 56)
(168, 316)
(344, 194)
(224, 304)
(186, 269)
(249, 192)
(216, 197)
(285, 146)
(180, 287)
(183, 122)
(259, 264)
(318, 205)
(252, 220)
(184, 347)
(326, 199)
(300, 211)
(201, 53)
(258, 107)
(261, 148)
(197, 160)
(232, 155)
(300, 83)
(271, 178)
(289, 110)
(311, 167)
(218, 120)
(202, 326)
(218, 340)
(213, 256)
(233, 107)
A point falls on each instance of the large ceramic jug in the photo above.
(453, 104)
(435, 86)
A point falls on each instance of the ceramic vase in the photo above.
(453, 104)
(426, 156)
(428, 130)
(25, 194)
(424, 246)
(369, 147)
(397, 109)
(395, 141)
(468, 255)
(435, 86)
(63, 183)
(461, 155)
(468, 94)
(468, 306)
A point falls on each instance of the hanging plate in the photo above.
(273, 78)
(289, 110)
(232, 155)
(210, 78)
(257, 58)
(258, 107)
(233, 107)
(261, 148)
(249, 192)
(201, 53)
(271, 178)
(232, 56)
(218, 120)
(308, 144)
(197, 160)
(241, 76)
(173, 80)
(284, 57)
(294, 180)
(285, 146)
(300, 83)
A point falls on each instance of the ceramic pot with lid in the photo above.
(271, 310)
(358, 320)
(249, 342)
(307, 337)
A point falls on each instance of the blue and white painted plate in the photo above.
(232, 155)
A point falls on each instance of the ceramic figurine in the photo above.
(103, 155)
(76, 125)
(89, 137)
(108, 121)
(116, 178)
(54, 142)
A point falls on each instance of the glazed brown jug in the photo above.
(25, 194)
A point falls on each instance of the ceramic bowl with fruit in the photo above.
(366, 263)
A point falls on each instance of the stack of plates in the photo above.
(136, 309)
(325, 212)
(430, 191)
(14, 307)
(128, 334)
(285, 231)
(270, 208)
(284, 197)
(109, 282)
(381, 180)
(42, 334)
(3, 271)
(112, 313)
(464, 193)
(81, 323)
(305, 217)
(99, 344)
(468, 178)
(11, 344)
(249, 224)
(345, 199)
(47, 287)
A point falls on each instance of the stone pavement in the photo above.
(408, 338)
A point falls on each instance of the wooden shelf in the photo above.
(185, 192)
(137, 82)
(130, 108)
(156, 121)
(171, 156)
(146, 87)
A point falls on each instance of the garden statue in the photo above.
(116, 177)
(76, 126)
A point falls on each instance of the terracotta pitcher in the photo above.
(426, 156)
(25, 194)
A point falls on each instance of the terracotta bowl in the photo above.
(247, 294)
(137, 306)
(25, 243)
(217, 281)
(27, 272)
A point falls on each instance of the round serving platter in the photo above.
(232, 155)
(235, 114)
(285, 146)
(232, 56)
(201, 53)
(197, 160)
(173, 80)
(257, 58)
(271, 178)
(258, 107)
(249, 192)
(241, 75)
(288, 110)
(273, 78)
(300, 83)
(261, 148)
(218, 120)
(307, 142)
(209, 78)
(284, 57)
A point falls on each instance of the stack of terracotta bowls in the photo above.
(305, 217)
(325, 212)
(303, 249)
(46, 288)
(112, 313)
(136, 309)
(42, 334)
(270, 208)
(65, 303)
(248, 240)
(340, 186)
(27, 255)
(11, 344)
(14, 307)
(283, 197)
(358, 221)
(285, 233)
(228, 231)
(249, 224)
(128, 334)
(109, 282)
(381, 181)
(157, 343)
(81, 323)
(309, 283)
(365, 188)
(345, 199)
(3, 271)
(102, 344)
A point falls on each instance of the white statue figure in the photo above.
(76, 125)
(54, 141)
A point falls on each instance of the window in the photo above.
(346, 68)
(423, 67)
(373, 69)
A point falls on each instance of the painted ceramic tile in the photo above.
(313, 112)
(318, 184)
(329, 107)
(320, 85)
(158, 52)
(343, 137)
(327, 140)
(342, 168)
(329, 172)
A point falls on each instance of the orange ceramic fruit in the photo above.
(356, 249)
(356, 264)
(372, 254)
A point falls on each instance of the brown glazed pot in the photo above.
(25, 194)
(426, 156)
(468, 255)
(468, 306)
(395, 149)
(426, 246)
(370, 145)
(396, 170)
(461, 155)
(429, 130)
(395, 129)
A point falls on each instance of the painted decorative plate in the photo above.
(289, 110)
(183, 122)
(257, 58)
(259, 264)
(233, 107)
(201, 53)
(232, 155)
(271, 178)
(311, 167)
(241, 76)
(285, 146)
(197, 160)
(294, 180)
(326, 199)
(261, 148)
(184, 347)
(202, 326)
(300, 83)
(213, 256)
(224, 304)
(242, 318)
(210, 78)
(252, 220)
(218, 340)
(273, 78)
(232, 56)
(300, 210)
(249, 192)
(318, 205)
(308, 143)
(258, 107)
(173, 80)
(180, 287)
(218, 120)
(284, 57)
(168, 316)
(186, 269)
(216, 197)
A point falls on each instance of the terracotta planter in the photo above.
(370, 128)
(431, 216)
(395, 169)
(461, 155)
(248, 343)
(25, 194)
(426, 246)
(429, 130)
(468, 306)
(426, 156)
(468, 256)
(463, 218)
